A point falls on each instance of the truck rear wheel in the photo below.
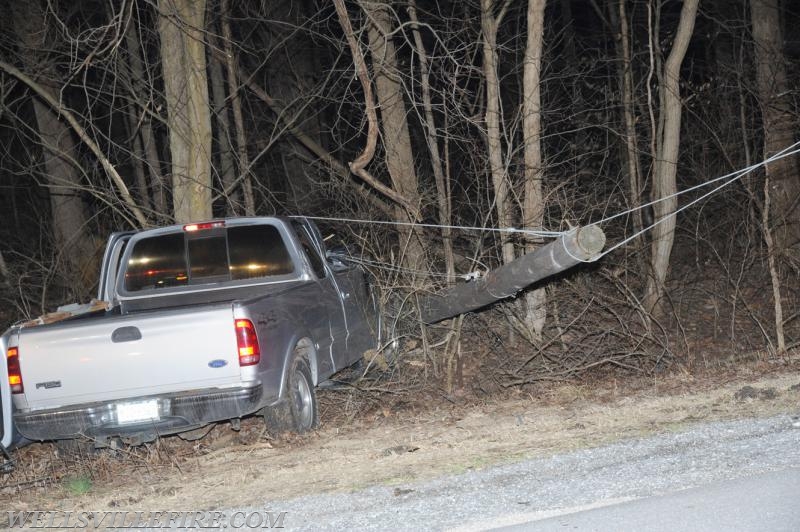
(302, 397)
(297, 412)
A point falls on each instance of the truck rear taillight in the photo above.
(247, 343)
(14, 373)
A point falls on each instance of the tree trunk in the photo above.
(71, 232)
(146, 136)
(497, 168)
(5, 274)
(137, 158)
(236, 107)
(180, 26)
(775, 96)
(533, 203)
(294, 68)
(394, 125)
(227, 162)
(620, 18)
(666, 159)
(442, 180)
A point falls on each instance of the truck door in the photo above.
(331, 298)
(354, 290)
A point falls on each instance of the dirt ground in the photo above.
(398, 441)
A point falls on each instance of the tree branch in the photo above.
(358, 166)
(310, 144)
(79, 130)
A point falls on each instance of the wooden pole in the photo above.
(577, 246)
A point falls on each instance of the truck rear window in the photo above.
(229, 254)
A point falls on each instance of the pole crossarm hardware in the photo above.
(580, 245)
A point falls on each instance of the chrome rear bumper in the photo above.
(176, 412)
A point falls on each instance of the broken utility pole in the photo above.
(580, 245)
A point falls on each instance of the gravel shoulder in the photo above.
(540, 489)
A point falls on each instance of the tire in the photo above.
(302, 398)
(297, 412)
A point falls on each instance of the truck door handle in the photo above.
(126, 334)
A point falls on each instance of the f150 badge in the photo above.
(47, 385)
(217, 363)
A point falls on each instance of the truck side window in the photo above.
(310, 250)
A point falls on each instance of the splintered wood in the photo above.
(67, 311)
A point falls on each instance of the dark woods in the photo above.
(486, 113)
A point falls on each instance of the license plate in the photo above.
(139, 411)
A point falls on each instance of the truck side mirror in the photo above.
(337, 258)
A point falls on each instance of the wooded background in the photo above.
(485, 113)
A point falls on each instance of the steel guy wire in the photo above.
(786, 152)
(390, 267)
(533, 232)
(733, 177)
(727, 179)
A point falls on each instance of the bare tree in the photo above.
(490, 22)
(781, 206)
(619, 15)
(70, 224)
(226, 167)
(394, 126)
(441, 178)
(146, 145)
(396, 138)
(533, 205)
(236, 107)
(666, 157)
(779, 123)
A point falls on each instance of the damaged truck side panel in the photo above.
(203, 323)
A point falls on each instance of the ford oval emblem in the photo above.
(217, 363)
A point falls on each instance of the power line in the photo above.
(726, 180)
(532, 232)
(731, 178)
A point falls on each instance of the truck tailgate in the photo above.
(128, 356)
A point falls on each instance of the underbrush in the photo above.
(719, 318)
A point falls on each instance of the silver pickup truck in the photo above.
(201, 323)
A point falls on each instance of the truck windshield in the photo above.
(229, 254)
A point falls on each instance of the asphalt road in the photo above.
(735, 475)
(763, 502)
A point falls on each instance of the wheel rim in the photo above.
(302, 400)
